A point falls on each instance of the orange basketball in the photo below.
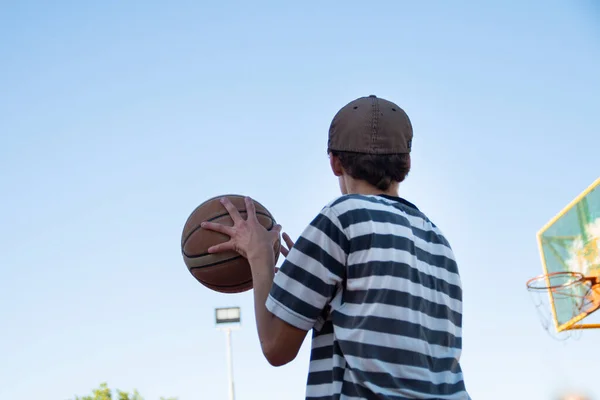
(227, 272)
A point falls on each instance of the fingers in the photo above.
(221, 247)
(288, 241)
(250, 209)
(213, 226)
(232, 210)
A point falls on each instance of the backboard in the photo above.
(570, 242)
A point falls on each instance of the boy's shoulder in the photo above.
(347, 209)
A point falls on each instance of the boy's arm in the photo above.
(288, 304)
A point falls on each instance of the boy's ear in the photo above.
(336, 165)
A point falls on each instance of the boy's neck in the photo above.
(362, 187)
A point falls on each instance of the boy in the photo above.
(371, 276)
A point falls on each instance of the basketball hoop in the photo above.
(572, 290)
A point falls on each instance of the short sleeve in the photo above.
(310, 274)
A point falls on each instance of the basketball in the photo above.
(226, 272)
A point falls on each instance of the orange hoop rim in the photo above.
(572, 278)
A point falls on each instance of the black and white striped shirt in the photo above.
(378, 284)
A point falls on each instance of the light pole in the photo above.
(228, 319)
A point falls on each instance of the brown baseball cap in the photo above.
(371, 125)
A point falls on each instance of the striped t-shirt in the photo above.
(378, 284)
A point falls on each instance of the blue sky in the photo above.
(118, 118)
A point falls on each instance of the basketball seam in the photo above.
(215, 264)
(226, 286)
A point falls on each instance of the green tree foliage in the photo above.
(105, 393)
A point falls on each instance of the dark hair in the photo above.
(378, 170)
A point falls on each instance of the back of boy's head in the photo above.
(372, 138)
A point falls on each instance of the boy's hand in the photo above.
(247, 236)
(288, 243)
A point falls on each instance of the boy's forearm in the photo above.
(262, 278)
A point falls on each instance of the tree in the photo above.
(104, 393)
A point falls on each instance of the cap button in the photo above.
(373, 96)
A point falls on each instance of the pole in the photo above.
(230, 364)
